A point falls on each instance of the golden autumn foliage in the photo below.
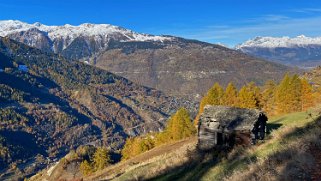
(307, 99)
(290, 95)
(249, 96)
(267, 99)
(136, 145)
(214, 96)
(178, 127)
(101, 158)
(230, 95)
(98, 161)
(85, 168)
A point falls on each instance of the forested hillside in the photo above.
(54, 105)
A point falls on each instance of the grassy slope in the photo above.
(286, 154)
(252, 164)
(153, 161)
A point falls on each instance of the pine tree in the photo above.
(101, 158)
(307, 99)
(230, 95)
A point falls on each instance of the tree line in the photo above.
(292, 94)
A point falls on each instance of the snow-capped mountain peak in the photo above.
(66, 34)
(274, 42)
(299, 51)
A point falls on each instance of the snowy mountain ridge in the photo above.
(301, 51)
(68, 33)
(274, 42)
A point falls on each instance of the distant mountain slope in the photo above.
(171, 64)
(298, 51)
(58, 105)
(185, 67)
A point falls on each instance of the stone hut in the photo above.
(223, 126)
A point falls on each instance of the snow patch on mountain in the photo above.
(69, 32)
(274, 42)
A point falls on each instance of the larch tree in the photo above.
(126, 152)
(230, 95)
(288, 95)
(249, 96)
(281, 95)
(296, 92)
(214, 96)
(101, 158)
(307, 99)
(85, 168)
(180, 126)
(268, 100)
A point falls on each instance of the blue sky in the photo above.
(226, 21)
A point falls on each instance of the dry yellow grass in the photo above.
(284, 155)
(148, 164)
(273, 159)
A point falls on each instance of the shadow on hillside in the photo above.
(43, 95)
(272, 126)
(198, 164)
(299, 162)
(25, 142)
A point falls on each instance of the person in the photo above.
(258, 131)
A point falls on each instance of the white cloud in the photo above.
(306, 10)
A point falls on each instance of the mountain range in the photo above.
(174, 65)
(66, 86)
(299, 51)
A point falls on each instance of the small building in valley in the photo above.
(223, 126)
(23, 67)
